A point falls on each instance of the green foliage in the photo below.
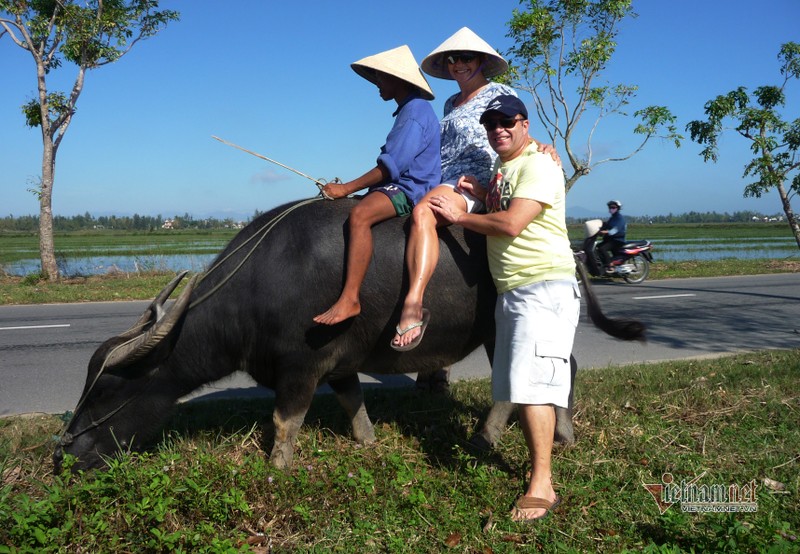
(56, 106)
(136, 222)
(88, 35)
(565, 45)
(654, 118)
(774, 140)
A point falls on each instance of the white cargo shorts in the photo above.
(535, 332)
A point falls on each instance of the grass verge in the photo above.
(208, 486)
(34, 290)
(144, 286)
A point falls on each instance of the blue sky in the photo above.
(275, 78)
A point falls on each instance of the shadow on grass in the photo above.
(436, 420)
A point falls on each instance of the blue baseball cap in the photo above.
(507, 105)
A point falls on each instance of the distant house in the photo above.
(168, 224)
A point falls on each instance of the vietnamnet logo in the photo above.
(695, 497)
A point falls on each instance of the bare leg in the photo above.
(422, 255)
(374, 208)
(538, 424)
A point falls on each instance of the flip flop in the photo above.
(531, 502)
(426, 316)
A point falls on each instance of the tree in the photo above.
(89, 34)
(774, 142)
(561, 46)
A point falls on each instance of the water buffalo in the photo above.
(252, 311)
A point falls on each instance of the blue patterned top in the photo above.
(465, 147)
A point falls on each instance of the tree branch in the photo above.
(7, 24)
(629, 156)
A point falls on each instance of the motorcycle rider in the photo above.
(613, 232)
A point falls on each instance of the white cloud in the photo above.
(268, 176)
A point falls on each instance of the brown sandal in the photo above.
(534, 503)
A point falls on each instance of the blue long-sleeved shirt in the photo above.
(412, 153)
(616, 227)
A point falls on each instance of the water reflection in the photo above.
(671, 250)
(102, 265)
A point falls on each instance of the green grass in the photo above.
(33, 290)
(721, 268)
(208, 486)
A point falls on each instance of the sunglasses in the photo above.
(463, 58)
(504, 122)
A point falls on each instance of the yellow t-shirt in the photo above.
(541, 252)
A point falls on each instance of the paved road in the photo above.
(44, 349)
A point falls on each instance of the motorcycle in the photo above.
(631, 261)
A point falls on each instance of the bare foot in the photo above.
(409, 316)
(343, 309)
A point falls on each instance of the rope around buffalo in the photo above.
(264, 231)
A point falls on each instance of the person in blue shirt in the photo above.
(408, 166)
(613, 232)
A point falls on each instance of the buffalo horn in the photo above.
(155, 310)
(138, 346)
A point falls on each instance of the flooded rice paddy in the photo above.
(132, 256)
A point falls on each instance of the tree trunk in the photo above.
(569, 181)
(787, 209)
(47, 250)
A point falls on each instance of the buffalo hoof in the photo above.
(362, 433)
(494, 426)
(480, 442)
(281, 457)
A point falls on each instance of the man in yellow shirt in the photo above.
(538, 300)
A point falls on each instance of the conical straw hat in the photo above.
(464, 40)
(398, 62)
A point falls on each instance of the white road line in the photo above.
(662, 296)
(33, 327)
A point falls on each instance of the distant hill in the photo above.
(579, 212)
